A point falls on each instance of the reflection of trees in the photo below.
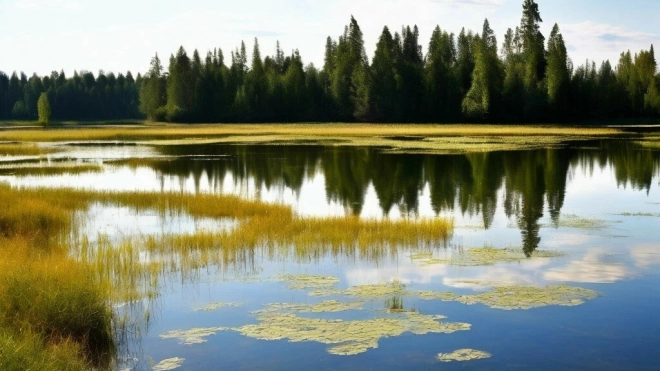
(471, 182)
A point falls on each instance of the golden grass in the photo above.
(426, 138)
(51, 170)
(24, 149)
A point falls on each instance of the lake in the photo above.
(553, 262)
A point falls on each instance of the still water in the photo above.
(585, 216)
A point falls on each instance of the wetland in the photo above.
(299, 247)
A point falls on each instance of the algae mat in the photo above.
(346, 337)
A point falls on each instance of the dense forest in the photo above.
(461, 78)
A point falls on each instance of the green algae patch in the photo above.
(345, 337)
(215, 306)
(463, 355)
(328, 306)
(436, 295)
(377, 290)
(192, 336)
(365, 292)
(527, 297)
(578, 222)
(486, 256)
(651, 215)
(306, 282)
(168, 364)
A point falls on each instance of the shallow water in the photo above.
(595, 207)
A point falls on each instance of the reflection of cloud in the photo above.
(567, 239)
(491, 277)
(595, 267)
(646, 256)
(406, 274)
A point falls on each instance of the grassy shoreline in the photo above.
(426, 138)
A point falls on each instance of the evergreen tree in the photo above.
(558, 77)
(153, 92)
(44, 109)
(383, 93)
(482, 101)
(442, 88)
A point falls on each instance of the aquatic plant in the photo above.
(527, 297)
(345, 337)
(485, 256)
(578, 222)
(168, 364)
(192, 336)
(215, 306)
(462, 355)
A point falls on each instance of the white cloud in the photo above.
(601, 41)
(33, 5)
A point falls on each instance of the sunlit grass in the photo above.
(24, 149)
(51, 170)
(427, 138)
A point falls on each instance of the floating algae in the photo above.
(377, 290)
(436, 295)
(192, 336)
(488, 256)
(527, 297)
(463, 355)
(304, 282)
(328, 306)
(168, 364)
(577, 222)
(345, 337)
(215, 306)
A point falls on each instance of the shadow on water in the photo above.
(527, 183)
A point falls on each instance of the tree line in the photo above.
(464, 77)
(80, 97)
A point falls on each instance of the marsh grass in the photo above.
(51, 170)
(428, 138)
(24, 149)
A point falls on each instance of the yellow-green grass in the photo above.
(425, 138)
(51, 170)
(24, 149)
(31, 352)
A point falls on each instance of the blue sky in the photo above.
(120, 35)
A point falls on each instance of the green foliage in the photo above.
(460, 78)
(483, 98)
(44, 109)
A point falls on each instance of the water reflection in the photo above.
(529, 183)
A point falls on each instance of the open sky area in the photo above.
(45, 35)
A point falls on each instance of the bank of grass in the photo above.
(407, 137)
(52, 315)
